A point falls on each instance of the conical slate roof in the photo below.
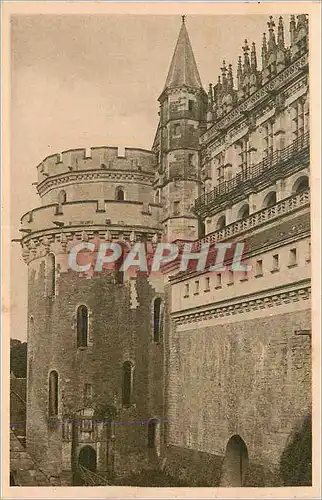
(183, 69)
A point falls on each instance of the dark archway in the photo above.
(87, 458)
(221, 223)
(270, 199)
(302, 184)
(235, 464)
(243, 212)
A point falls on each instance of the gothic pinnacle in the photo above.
(280, 33)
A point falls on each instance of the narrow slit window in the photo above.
(82, 326)
(157, 319)
(275, 262)
(51, 275)
(230, 277)
(53, 394)
(293, 257)
(127, 386)
(259, 267)
(186, 290)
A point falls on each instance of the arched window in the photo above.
(302, 184)
(127, 383)
(157, 319)
(269, 200)
(119, 194)
(243, 212)
(82, 326)
(53, 394)
(221, 223)
(51, 275)
(62, 197)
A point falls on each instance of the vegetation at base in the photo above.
(18, 358)
(296, 460)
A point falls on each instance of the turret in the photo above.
(184, 105)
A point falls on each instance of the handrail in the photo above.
(287, 205)
(91, 477)
(254, 171)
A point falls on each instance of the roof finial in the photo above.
(183, 19)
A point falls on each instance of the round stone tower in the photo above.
(95, 343)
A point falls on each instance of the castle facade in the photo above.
(202, 374)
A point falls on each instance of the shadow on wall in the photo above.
(296, 459)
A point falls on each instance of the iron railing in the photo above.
(267, 169)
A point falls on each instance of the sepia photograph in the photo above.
(159, 185)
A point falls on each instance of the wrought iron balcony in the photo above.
(280, 164)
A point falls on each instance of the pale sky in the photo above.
(82, 81)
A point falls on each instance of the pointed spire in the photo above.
(210, 97)
(183, 69)
(292, 28)
(239, 72)
(301, 20)
(271, 37)
(246, 57)
(253, 58)
(230, 79)
(264, 51)
(280, 33)
(224, 74)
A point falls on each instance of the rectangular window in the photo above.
(176, 208)
(190, 105)
(230, 277)
(259, 268)
(190, 160)
(218, 280)
(186, 290)
(220, 168)
(268, 139)
(244, 154)
(292, 257)
(207, 284)
(275, 262)
(196, 287)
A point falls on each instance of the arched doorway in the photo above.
(87, 458)
(235, 463)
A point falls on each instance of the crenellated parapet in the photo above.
(96, 158)
(103, 170)
(93, 217)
